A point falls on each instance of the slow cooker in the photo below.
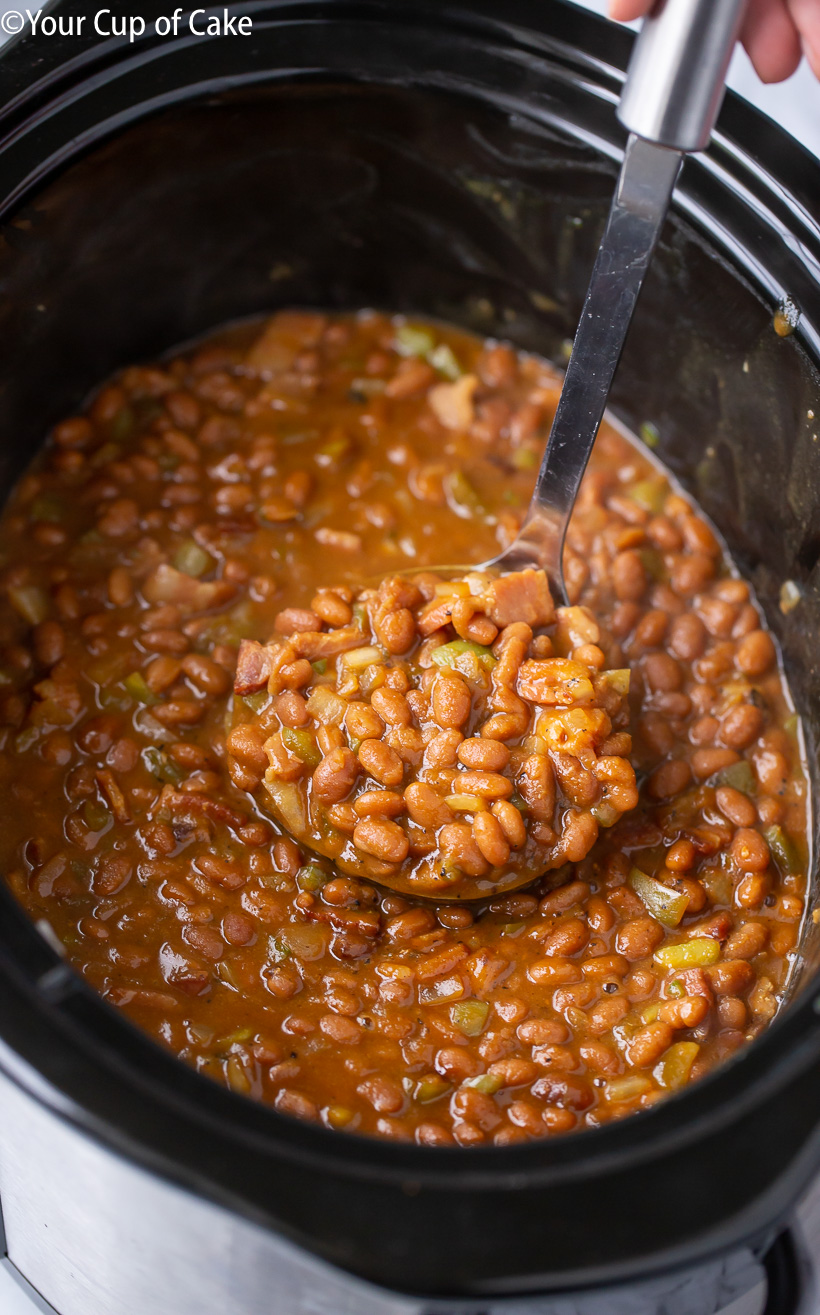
(455, 159)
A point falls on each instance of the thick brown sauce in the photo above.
(259, 469)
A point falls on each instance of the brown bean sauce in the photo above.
(187, 509)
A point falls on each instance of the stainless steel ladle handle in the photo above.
(673, 91)
(677, 74)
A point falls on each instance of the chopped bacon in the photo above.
(122, 996)
(312, 644)
(452, 404)
(168, 585)
(109, 785)
(253, 667)
(435, 615)
(181, 802)
(521, 596)
(366, 921)
(696, 982)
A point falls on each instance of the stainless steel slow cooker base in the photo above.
(89, 1233)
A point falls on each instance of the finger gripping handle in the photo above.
(677, 73)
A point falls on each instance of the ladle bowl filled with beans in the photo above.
(447, 737)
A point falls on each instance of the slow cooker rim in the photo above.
(791, 1032)
(116, 55)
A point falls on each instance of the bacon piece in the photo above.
(366, 921)
(555, 682)
(109, 785)
(312, 644)
(452, 404)
(520, 596)
(168, 585)
(254, 665)
(435, 615)
(180, 802)
(696, 982)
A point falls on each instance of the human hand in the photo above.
(775, 33)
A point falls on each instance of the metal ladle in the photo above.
(671, 97)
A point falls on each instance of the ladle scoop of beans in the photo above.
(451, 738)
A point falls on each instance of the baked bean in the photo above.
(687, 1011)
(736, 806)
(395, 689)
(741, 726)
(638, 938)
(747, 941)
(680, 856)
(662, 672)
(749, 850)
(669, 779)
(450, 702)
(490, 838)
(483, 755)
(363, 722)
(647, 1045)
(629, 576)
(732, 977)
(381, 838)
(755, 653)
(565, 897)
(705, 762)
(511, 821)
(381, 762)
(460, 850)
(334, 777)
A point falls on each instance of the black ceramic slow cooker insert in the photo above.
(457, 160)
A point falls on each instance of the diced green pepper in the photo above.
(469, 1016)
(122, 424)
(617, 679)
(654, 565)
(163, 767)
(30, 602)
(462, 492)
(311, 877)
(26, 739)
(739, 776)
(193, 560)
(302, 744)
(605, 813)
(256, 702)
(663, 902)
(443, 359)
(627, 1088)
(676, 989)
(234, 1038)
(675, 1069)
(524, 458)
(47, 507)
(783, 850)
(413, 341)
(447, 655)
(320, 666)
(698, 953)
(95, 814)
(649, 434)
(488, 1083)
(429, 1088)
(139, 690)
(650, 494)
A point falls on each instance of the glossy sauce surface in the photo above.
(193, 504)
